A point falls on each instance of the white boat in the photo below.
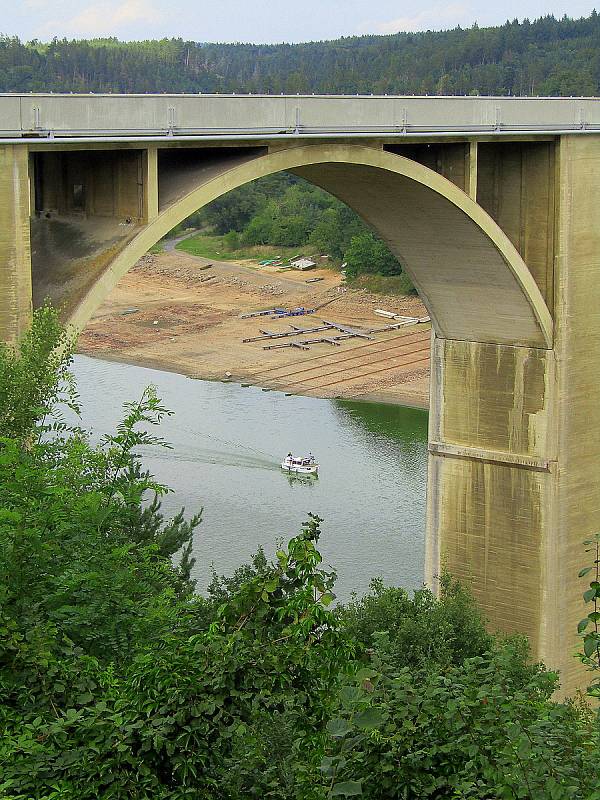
(300, 465)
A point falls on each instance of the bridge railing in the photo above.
(47, 116)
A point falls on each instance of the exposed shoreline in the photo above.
(164, 314)
(408, 401)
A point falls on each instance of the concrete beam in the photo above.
(149, 184)
(119, 116)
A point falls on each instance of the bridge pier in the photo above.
(577, 408)
(15, 247)
(514, 467)
(491, 481)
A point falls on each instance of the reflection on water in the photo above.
(228, 443)
(304, 481)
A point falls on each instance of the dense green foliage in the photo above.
(545, 57)
(117, 681)
(283, 210)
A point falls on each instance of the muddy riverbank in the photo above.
(174, 312)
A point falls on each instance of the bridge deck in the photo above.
(47, 117)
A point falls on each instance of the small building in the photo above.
(303, 263)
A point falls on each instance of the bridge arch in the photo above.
(471, 278)
(493, 445)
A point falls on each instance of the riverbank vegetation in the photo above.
(226, 248)
(282, 215)
(118, 680)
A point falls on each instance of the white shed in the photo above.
(303, 263)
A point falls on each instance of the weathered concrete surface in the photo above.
(88, 205)
(208, 115)
(516, 186)
(491, 477)
(15, 254)
(91, 183)
(149, 184)
(577, 507)
(501, 398)
(70, 253)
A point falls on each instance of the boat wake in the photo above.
(203, 455)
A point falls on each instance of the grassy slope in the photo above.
(208, 246)
(384, 284)
(214, 247)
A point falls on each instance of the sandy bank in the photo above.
(171, 313)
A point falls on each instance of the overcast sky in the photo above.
(262, 20)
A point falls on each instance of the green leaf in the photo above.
(369, 718)
(524, 747)
(338, 727)
(589, 645)
(327, 598)
(350, 694)
(583, 625)
(327, 765)
(589, 595)
(365, 674)
(347, 789)
(585, 571)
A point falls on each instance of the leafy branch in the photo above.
(589, 628)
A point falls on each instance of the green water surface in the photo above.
(228, 442)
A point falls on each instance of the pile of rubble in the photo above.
(272, 289)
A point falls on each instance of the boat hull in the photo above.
(300, 470)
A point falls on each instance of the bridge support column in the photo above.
(150, 184)
(514, 468)
(15, 250)
(492, 468)
(577, 345)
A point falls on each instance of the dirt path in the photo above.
(169, 245)
(181, 313)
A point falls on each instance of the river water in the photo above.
(228, 442)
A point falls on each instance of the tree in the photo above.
(369, 255)
(72, 519)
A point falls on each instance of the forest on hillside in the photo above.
(548, 56)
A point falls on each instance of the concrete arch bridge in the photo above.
(490, 203)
